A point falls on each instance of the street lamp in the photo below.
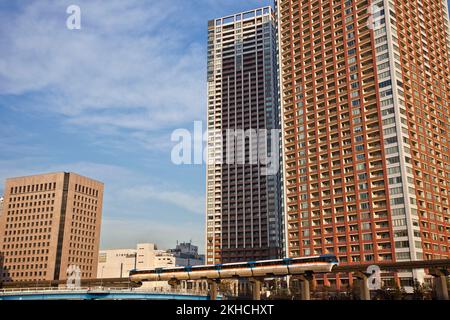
(101, 278)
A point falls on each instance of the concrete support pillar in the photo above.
(256, 288)
(312, 282)
(440, 283)
(305, 290)
(213, 289)
(242, 288)
(364, 292)
(174, 284)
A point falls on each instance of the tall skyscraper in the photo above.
(243, 213)
(365, 93)
(50, 222)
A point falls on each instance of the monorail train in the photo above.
(266, 268)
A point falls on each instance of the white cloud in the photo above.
(182, 199)
(135, 71)
(135, 209)
(123, 233)
(122, 186)
(130, 66)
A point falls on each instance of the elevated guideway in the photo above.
(301, 269)
(254, 271)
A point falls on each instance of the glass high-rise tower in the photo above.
(243, 206)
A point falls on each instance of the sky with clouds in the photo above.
(103, 101)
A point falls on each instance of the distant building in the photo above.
(117, 263)
(1, 206)
(186, 254)
(50, 222)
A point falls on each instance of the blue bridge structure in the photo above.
(89, 294)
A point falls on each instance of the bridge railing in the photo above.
(36, 289)
(48, 290)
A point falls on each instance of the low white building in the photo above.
(117, 263)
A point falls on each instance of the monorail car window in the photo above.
(201, 268)
(234, 266)
(328, 258)
(304, 260)
(173, 270)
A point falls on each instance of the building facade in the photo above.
(1, 254)
(50, 222)
(365, 93)
(117, 263)
(186, 254)
(1, 205)
(243, 212)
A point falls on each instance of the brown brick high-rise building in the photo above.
(50, 222)
(365, 94)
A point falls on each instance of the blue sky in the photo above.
(102, 101)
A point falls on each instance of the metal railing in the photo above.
(100, 290)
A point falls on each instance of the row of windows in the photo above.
(84, 231)
(33, 197)
(25, 252)
(20, 243)
(31, 204)
(7, 275)
(39, 217)
(25, 266)
(31, 210)
(86, 199)
(27, 232)
(33, 188)
(83, 219)
(87, 262)
(86, 190)
(76, 241)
